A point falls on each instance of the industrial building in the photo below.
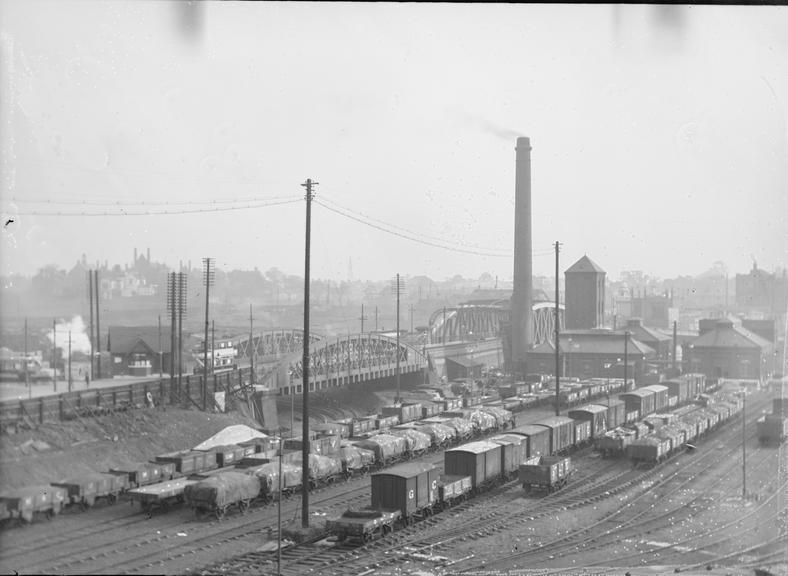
(585, 295)
(725, 350)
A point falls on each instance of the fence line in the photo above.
(78, 404)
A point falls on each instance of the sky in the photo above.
(658, 133)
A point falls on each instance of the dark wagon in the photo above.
(538, 439)
(549, 473)
(411, 488)
(479, 460)
(595, 414)
(363, 525)
(562, 433)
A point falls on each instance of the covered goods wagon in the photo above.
(410, 488)
(479, 460)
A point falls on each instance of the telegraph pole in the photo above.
(160, 360)
(744, 445)
(305, 362)
(171, 298)
(98, 327)
(54, 355)
(208, 278)
(70, 380)
(213, 346)
(181, 302)
(362, 318)
(27, 377)
(557, 334)
(250, 347)
(376, 318)
(90, 290)
(626, 361)
(397, 287)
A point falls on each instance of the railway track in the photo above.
(545, 552)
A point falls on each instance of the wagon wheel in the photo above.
(387, 529)
(112, 498)
(220, 512)
(243, 506)
(367, 537)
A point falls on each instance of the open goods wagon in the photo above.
(85, 490)
(649, 449)
(268, 475)
(546, 472)
(144, 473)
(25, 503)
(363, 525)
(219, 492)
(614, 442)
(453, 489)
(161, 494)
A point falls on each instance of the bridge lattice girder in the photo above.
(358, 353)
(472, 322)
(275, 343)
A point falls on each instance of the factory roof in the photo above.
(727, 335)
(594, 342)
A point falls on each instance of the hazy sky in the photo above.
(659, 134)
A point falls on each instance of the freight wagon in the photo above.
(142, 474)
(85, 490)
(595, 414)
(641, 400)
(453, 489)
(538, 439)
(25, 503)
(514, 451)
(160, 494)
(547, 472)
(660, 396)
(220, 492)
(418, 443)
(649, 449)
(614, 442)
(363, 525)
(479, 460)
(388, 449)
(405, 412)
(772, 429)
(411, 489)
(562, 433)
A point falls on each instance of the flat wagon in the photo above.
(161, 494)
(363, 525)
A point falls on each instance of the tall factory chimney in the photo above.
(521, 296)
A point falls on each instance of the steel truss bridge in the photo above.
(475, 322)
(272, 345)
(333, 362)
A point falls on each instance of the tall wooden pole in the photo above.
(305, 363)
(98, 326)
(54, 355)
(557, 334)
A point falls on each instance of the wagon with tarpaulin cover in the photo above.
(219, 492)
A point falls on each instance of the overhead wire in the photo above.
(136, 203)
(142, 212)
